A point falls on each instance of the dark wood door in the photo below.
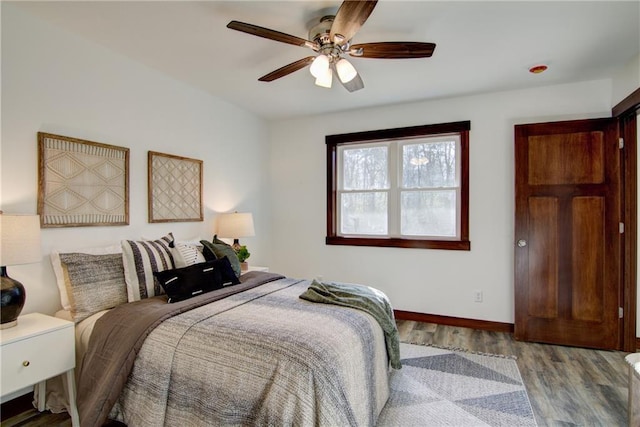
(568, 283)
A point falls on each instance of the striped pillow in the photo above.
(141, 259)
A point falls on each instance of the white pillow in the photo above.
(191, 241)
(59, 271)
(186, 254)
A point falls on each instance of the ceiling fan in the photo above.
(331, 38)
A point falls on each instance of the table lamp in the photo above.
(19, 244)
(234, 226)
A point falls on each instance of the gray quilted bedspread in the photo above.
(260, 357)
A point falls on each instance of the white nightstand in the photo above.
(38, 348)
(255, 268)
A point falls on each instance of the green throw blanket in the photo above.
(362, 298)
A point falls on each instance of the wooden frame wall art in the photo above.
(175, 188)
(81, 183)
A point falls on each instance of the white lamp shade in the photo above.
(325, 79)
(235, 225)
(319, 66)
(19, 239)
(346, 71)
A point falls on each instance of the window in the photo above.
(404, 187)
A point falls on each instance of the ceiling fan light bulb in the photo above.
(325, 79)
(319, 66)
(346, 71)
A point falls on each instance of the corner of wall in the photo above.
(626, 80)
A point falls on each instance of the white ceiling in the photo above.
(481, 46)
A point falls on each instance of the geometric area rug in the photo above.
(438, 387)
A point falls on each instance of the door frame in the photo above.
(626, 111)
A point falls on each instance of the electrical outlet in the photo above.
(477, 296)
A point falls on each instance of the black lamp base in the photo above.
(12, 297)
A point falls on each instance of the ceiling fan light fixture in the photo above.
(330, 38)
(319, 66)
(325, 79)
(346, 71)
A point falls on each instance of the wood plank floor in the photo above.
(567, 386)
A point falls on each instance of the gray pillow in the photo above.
(94, 282)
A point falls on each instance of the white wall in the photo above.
(626, 80)
(420, 280)
(54, 81)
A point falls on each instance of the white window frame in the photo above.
(395, 189)
(341, 191)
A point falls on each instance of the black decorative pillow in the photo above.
(213, 250)
(183, 283)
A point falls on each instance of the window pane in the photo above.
(429, 164)
(363, 213)
(429, 213)
(365, 168)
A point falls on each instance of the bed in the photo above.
(251, 353)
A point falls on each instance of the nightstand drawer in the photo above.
(29, 361)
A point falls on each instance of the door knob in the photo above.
(522, 243)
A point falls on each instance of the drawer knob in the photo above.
(26, 363)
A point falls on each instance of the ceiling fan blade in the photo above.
(349, 18)
(392, 50)
(353, 84)
(287, 69)
(271, 34)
